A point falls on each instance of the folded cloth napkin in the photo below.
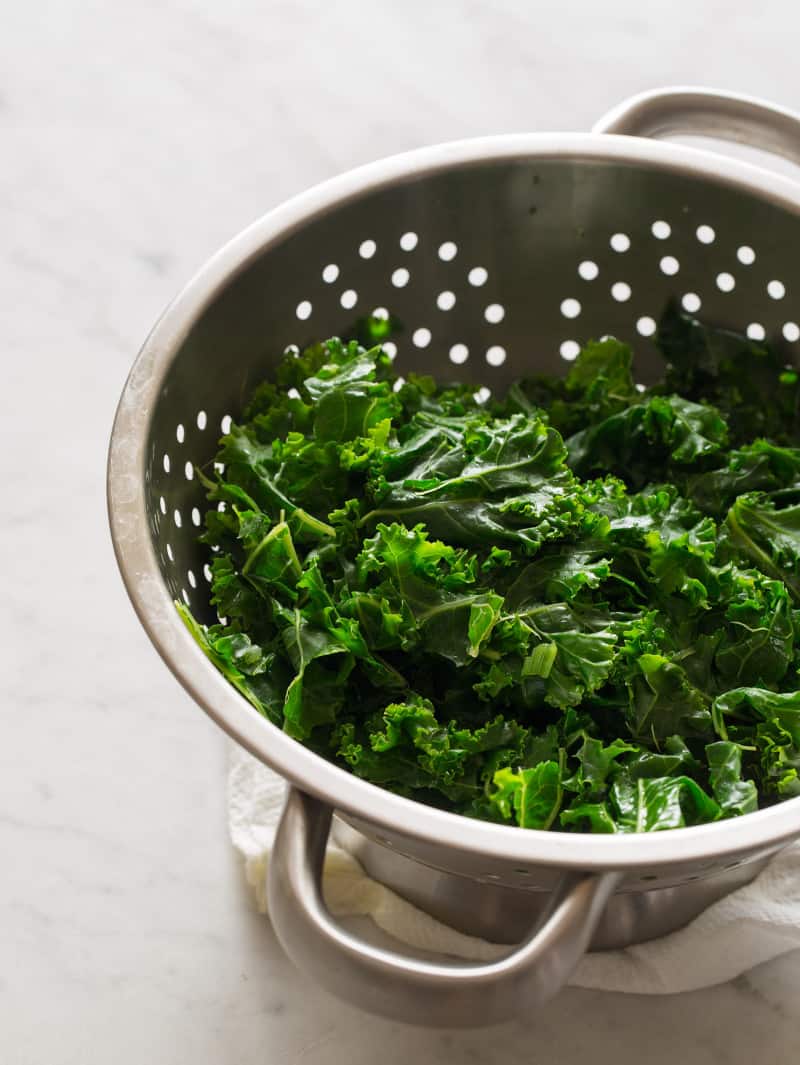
(750, 926)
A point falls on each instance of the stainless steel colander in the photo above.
(500, 256)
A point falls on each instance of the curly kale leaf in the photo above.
(768, 536)
(652, 440)
(478, 483)
(406, 747)
(747, 381)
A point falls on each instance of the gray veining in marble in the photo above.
(135, 139)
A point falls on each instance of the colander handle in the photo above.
(408, 988)
(707, 113)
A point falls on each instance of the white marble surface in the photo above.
(135, 139)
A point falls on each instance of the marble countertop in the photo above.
(136, 139)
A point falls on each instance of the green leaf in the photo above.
(584, 640)
(309, 471)
(601, 379)
(658, 803)
(251, 467)
(560, 576)
(234, 597)
(317, 691)
(271, 562)
(742, 378)
(757, 643)
(674, 759)
(588, 817)
(646, 441)
(425, 577)
(662, 702)
(681, 559)
(770, 722)
(482, 484)
(344, 372)
(483, 616)
(408, 747)
(599, 383)
(575, 659)
(531, 796)
(780, 758)
(734, 795)
(758, 704)
(690, 430)
(596, 762)
(583, 662)
(769, 537)
(258, 676)
(757, 467)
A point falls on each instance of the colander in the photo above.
(500, 256)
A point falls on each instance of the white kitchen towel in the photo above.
(750, 926)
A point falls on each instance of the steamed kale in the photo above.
(575, 607)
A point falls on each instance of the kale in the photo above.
(575, 608)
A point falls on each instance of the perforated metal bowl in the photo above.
(500, 256)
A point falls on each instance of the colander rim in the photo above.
(141, 574)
